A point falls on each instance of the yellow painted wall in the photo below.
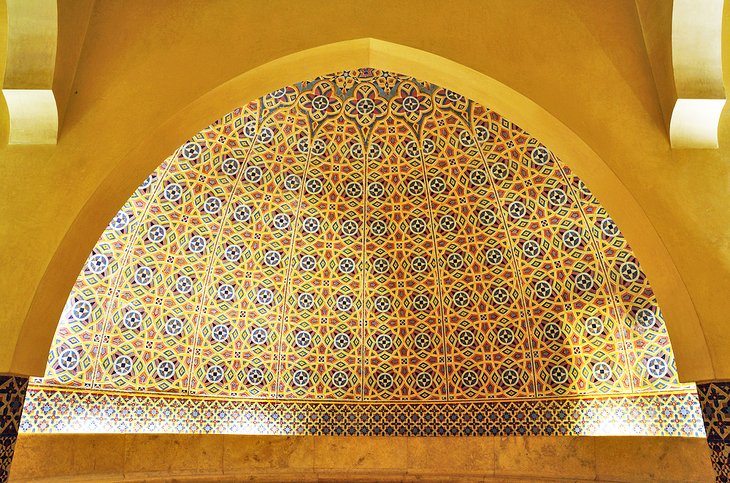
(149, 75)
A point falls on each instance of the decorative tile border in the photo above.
(12, 393)
(51, 410)
(715, 400)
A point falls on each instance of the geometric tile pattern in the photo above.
(12, 393)
(715, 402)
(57, 411)
(363, 237)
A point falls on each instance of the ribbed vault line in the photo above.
(113, 291)
(418, 135)
(211, 254)
(365, 264)
(284, 311)
(518, 273)
(602, 264)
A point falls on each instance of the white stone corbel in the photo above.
(697, 67)
(32, 38)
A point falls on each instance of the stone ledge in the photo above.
(171, 457)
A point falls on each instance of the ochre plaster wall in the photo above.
(141, 66)
(138, 457)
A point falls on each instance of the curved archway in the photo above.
(39, 324)
(363, 238)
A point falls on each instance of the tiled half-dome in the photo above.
(364, 236)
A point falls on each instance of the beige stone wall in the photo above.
(138, 457)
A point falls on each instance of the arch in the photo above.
(31, 349)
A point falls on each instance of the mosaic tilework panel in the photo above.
(12, 394)
(364, 237)
(715, 402)
(75, 411)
